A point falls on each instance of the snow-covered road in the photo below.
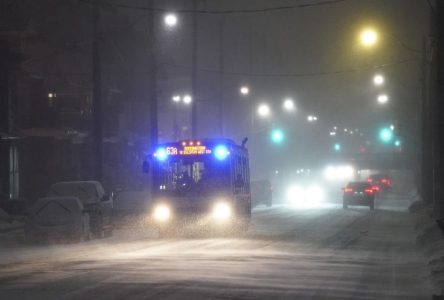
(324, 253)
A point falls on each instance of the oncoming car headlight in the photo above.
(162, 213)
(221, 211)
(305, 196)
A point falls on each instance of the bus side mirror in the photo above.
(146, 167)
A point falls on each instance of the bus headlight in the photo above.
(162, 213)
(221, 211)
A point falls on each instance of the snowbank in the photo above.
(430, 238)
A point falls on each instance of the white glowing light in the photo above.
(221, 211)
(263, 110)
(187, 99)
(170, 20)
(289, 105)
(244, 90)
(162, 213)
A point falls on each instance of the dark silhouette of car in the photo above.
(359, 193)
(96, 202)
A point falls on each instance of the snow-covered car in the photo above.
(96, 202)
(57, 218)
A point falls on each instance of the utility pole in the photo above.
(152, 78)
(194, 92)
(97, 95)
(221, 76)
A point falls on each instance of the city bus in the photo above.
(203, 182)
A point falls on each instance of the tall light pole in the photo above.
(221, 75)
(152, 78)
(97, 96)
(176, 101)
(194, 91)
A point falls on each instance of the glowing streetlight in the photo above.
(382, 99)
(312, 118)
(187, 99)
(170, 20)
(368, 37)
(244, 90)
(263, 110)
(176, 98)
(289, 105)
(378, 79)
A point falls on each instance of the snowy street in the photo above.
(324, 253)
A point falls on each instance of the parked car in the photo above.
(359, 193)
(96, 202)
(261, 192)
(57, 218)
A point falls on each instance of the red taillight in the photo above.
(369, 191)
(375, 188)
(369, 180)
(348, 190)
(384, 180)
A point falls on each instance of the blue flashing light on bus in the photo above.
(161, 154)
(221, 152)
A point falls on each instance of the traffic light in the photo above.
(337, 147)
(277, 136)
(398, 143)
(386, 135)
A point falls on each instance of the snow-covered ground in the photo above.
(322, 253)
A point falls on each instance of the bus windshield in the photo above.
(191, 175)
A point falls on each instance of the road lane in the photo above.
(324, 253)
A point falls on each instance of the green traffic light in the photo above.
(397, 143)
(277, 136)
(385, 135)
(337, 147)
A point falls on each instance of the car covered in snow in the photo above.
(57, 218)
(96, 202)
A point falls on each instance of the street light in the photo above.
(176, 98)
(187, 99)
(263, 110)
(382, 99)
(378, 79)
(244, 90)
(368, 37)
(170, 20)
(288, 104)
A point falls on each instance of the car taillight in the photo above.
(369, 191)
(384, 181)
(375, 188)
(348, 190)
(369, 180)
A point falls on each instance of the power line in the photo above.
(308, 74)
(219, 12)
